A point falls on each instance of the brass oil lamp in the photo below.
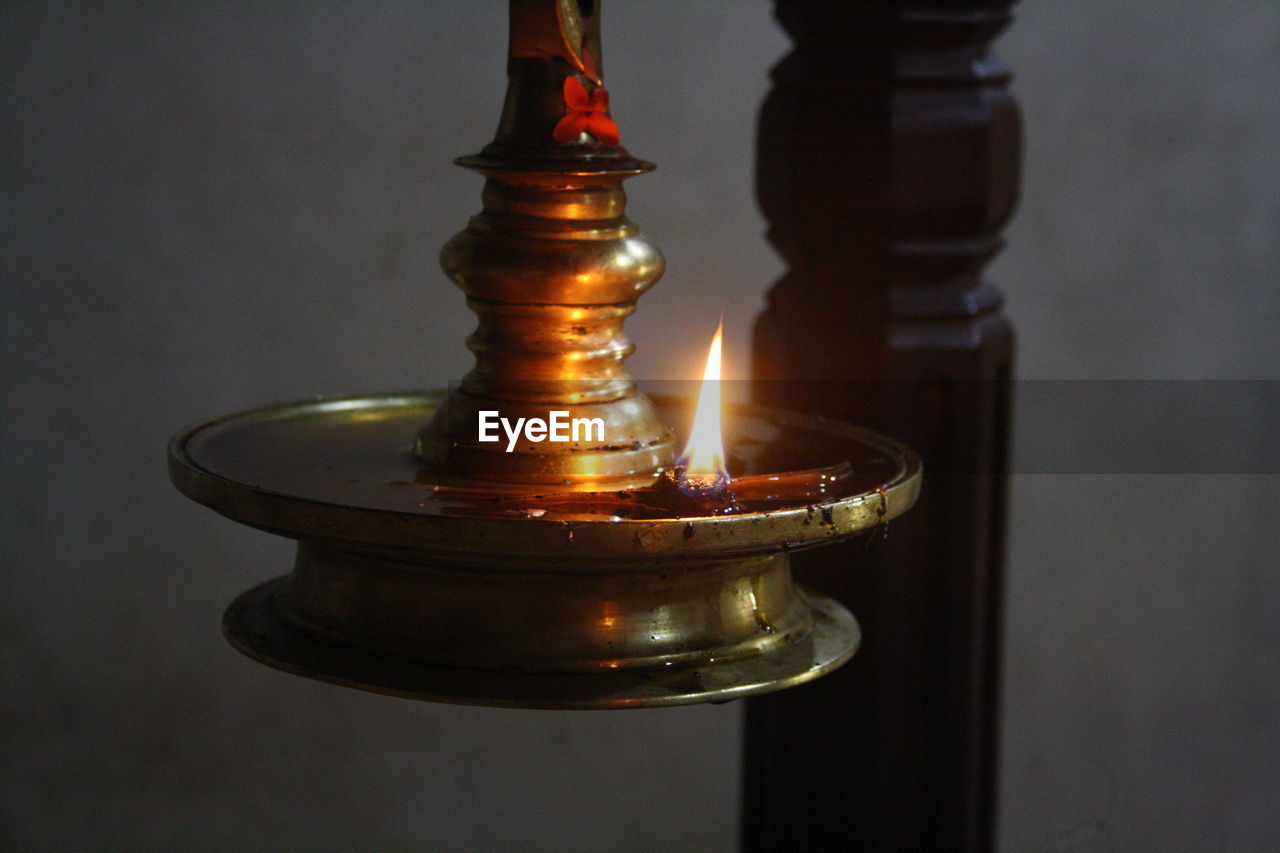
(599, 571)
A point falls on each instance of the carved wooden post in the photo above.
(888, 162)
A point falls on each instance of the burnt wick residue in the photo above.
(674, 491)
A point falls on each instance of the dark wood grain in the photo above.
(888, 163)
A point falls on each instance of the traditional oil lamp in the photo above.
(442, 558)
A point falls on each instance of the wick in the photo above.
(698, 486)
(684, 494)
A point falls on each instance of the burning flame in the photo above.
(703, 458)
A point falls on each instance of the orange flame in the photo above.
(703, 457)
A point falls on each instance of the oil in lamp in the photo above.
(605, 570)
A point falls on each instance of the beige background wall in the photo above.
(209, 206)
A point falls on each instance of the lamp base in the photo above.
(408, 588)
(252, 625)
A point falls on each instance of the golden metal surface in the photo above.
(250, 626)
(340, 469)
(402, 589)
(552, 268)
(562, 29)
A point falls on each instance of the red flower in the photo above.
(589, 112)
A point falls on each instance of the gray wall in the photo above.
(1142, 700)
(210, 206)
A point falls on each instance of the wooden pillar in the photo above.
(888, 163)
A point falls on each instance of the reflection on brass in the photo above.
(552, 268)
(565, 29)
